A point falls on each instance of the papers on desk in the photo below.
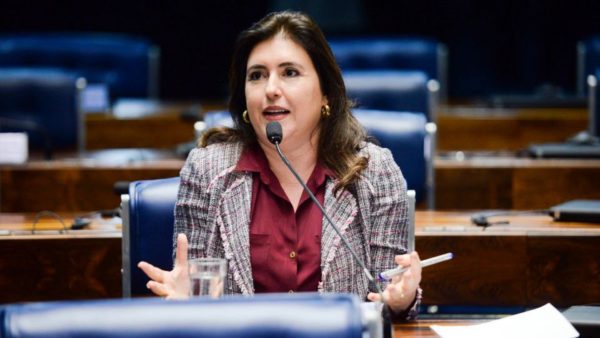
(545, 321)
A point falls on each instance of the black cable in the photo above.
(51, 214)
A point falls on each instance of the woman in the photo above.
(239, 201)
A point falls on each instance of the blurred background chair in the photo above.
(409, 136)
(411, 139)
(148, 217)
(273, 315)
(128, 66)
(45, 104)
(394, 53)
(392, 90)
(588, 60)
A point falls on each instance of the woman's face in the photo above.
(282, 85)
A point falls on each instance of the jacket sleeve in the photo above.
(389, 220)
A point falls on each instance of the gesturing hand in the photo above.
(174, 284)
(401, 291)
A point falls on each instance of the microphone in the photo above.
(275, 136)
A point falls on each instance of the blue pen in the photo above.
(387, 275)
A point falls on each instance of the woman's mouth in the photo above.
(275, 114)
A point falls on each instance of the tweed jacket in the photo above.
(213, 210)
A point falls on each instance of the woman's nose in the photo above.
(273, 88)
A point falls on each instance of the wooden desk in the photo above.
(71, 184)
(507, 182)
(422, 327)
(135, 123)
(529, 263)
(48, 265)
(489, 182)
(471, 128)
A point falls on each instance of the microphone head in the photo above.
(274, 132)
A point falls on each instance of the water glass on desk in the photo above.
(207, 276)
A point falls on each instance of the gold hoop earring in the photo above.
(325, 111)
(245, 117)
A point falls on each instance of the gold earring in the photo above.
(245, 116)
(325, 111)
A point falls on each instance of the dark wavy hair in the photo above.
(339, 150)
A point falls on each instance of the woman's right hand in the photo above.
(174, 284)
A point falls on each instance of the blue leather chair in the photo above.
(409, 136)
(391, 90)
(275, 315)
(148, 217)
(411, 140)
(45, 104)
(127, 65)
(588, 60)
(393, 53)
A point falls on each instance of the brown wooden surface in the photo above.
(145, 124)
(422, 327)
(78, 184)
(507, 182)
(528, 263)
(152, 124)
(488, 182)
(53, 266)
(468, 128)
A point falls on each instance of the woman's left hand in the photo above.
(402, 290)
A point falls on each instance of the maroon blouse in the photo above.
(285, 247)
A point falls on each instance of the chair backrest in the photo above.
(45, 104)
(393, 53)
(274, 315)
(391, 90)
(409, 136)
(410, 139)
(127, 65)
(588, 60)
(148, 217)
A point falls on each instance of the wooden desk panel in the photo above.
(77, 184)
(468, 128)
(46, 266)
(505, 182)
(492, 182)
(136, 123)
(531, 262)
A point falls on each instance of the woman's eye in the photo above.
(253, 76)
(290, 72)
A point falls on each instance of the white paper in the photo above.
(545, 321)
(13, 148)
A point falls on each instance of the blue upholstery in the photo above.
(127, 65)
(389, 90)
(47, 100)
(393, 53)
(388, 53)
(147, 230)
(274, 315)
(404, 133)
(594, 108)
(588, 54)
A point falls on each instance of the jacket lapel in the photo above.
(342, 210)
(233, 221)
